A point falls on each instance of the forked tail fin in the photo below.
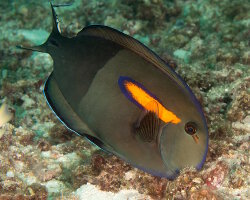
(54, 33)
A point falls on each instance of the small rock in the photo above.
(10, 174)
(246, 58)
(10, 186)
(91, 192)
(216, 177)
(55, 186)
(204, 194)
(27, 101)
(182, 54)
(186, 178)
(36, 36)
(46, 154)
(44, 145)
(19, 166)
(193, 189)
(97, 163)
(197, 180)
(52, 171)
(129, 175)
(183, 194)
(37, 191)
(69, 160)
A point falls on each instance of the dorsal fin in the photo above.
(134, 45)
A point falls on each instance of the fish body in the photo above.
(5, 114)
(115, 91)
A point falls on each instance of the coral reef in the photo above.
(206, 42)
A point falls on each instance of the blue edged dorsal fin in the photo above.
(132, 44)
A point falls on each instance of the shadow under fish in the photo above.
(110, 88)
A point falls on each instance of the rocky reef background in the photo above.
(206, 42)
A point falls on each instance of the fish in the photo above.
(121, 96)
(5, 114)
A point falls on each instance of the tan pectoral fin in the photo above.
(63, 110)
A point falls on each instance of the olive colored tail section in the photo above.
(63, 110)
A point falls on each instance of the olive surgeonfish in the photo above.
(110, 88)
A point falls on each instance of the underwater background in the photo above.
(206, 41)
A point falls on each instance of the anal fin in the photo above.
(63, 110)
(100, 144)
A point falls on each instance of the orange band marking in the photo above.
(151, 104)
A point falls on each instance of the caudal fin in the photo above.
(55, 32)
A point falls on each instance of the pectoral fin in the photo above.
(148, 127)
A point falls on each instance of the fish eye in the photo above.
(190, 128)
